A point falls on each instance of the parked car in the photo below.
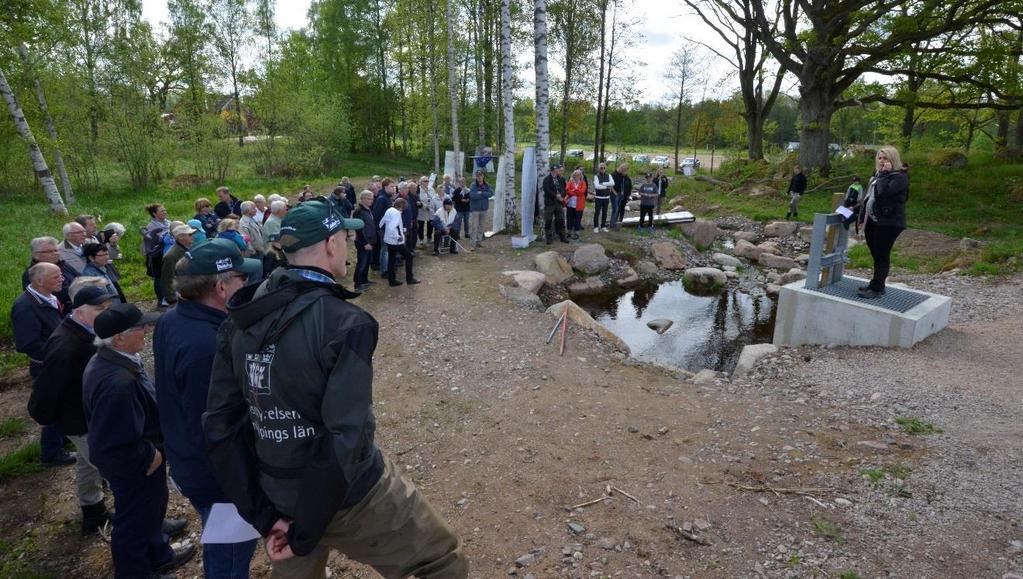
(641, 159)
(662, 161)
(688, 166)
(611, 158)
(578, 153)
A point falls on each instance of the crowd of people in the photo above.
(243, 287)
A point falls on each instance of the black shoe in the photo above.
(549, 242)
(370, 282)
(564, 240)
(869, 294)
(174, 528)
(454, 252)
(395, 283)
(93, 518)
(412, 281)
(361, 287)
(436, 254)
(65, 458)
(181, 556)
(863, 287)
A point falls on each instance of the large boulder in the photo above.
(776, 261)
(700, 232)
(770, 247)
(806, 233)
(590, 258)
(590, 285)
(747, 235)
(794, 274)
(704, 279)
(725, 259)
(553, 266)
(746, 249)
(750, 356)
(527, 280)
(780, 228)
(629, 278)
(667, 256)
(521, 296)
(580, 317)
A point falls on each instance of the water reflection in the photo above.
(709, 331)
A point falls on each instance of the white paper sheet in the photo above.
(225, 525)
(844, 212)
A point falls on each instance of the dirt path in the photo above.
(502, 435)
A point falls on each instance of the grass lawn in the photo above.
(983, 201)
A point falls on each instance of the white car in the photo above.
(641, 159)
(662, 161)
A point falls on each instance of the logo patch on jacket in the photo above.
(257, 370)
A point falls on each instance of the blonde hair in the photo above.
(226, 224)
(202, 203)
(893, 155)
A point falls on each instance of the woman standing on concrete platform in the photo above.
(884, 216)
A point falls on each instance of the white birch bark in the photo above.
(453, 89)
(38, 162)
(433, 86)
(510, 211)
(51, 128)
(543, 123)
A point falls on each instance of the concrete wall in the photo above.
(810, 317)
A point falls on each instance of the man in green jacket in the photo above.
(182, 241)
(289, 422)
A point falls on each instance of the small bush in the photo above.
(947, 158)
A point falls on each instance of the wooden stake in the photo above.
(564, 330)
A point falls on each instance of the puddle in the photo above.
(708, 331)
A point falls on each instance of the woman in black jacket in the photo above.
(884, 216)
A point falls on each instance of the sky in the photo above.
(663, 25)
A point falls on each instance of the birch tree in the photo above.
(431, 48)
(511, 220)
(543, 123)
(231, 23)
(598, 136)
(453, 88)
(38, 162)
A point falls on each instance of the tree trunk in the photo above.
(543, 124)
(382, 71)
(1019, 131)
(607, 80)
(403, 101)
(431, 11)
(452, 89)
(481, 128)
(488, 70)
(38, 162)
(816, 106)
(600, 85)
(1002, 132)
(51, 128)
(569, 62)
(238, 108)
(678, 119)
(511, 214)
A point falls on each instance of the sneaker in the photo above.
(65, 458)
(181, 556)
(174, 528)
(604, 229)
(412, 281)
(596, 230)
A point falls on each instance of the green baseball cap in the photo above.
(311, 222)
(218, 255)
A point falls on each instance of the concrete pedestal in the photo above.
(835, 315)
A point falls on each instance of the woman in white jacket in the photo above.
(394, 238)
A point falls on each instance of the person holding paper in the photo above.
(290, 427)
(884, 216)
(183, 345)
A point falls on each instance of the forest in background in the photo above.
(220, 89)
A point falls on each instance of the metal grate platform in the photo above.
(894, 299)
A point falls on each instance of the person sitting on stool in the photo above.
(445, 222)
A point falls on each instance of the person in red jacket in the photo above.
(575, 202)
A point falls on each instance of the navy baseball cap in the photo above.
(120, 318)
(91, 295)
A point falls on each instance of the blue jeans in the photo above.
(616, 203)
(226, 560)
(362, 265)
(384, 258)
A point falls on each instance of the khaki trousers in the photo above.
(393, 529)
(88, 482)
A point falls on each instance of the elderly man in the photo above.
(262, 209)
(445, 222)
(47, 250)
(382, 200)
(272, 227)
(71, 248)
(349, 191)
(182, 241)
(553, 205)
(366, 240)
(184, 344)
(89, 223)
(57, 391)
(251, 226)
(294, 443)
(228, 206)
(126, 445)
(35, 314)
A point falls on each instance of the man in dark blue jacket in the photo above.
(184, 344)
(382, 192)
(35, 314)
(126, 445)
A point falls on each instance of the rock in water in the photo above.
(590, 259)
(667, 256)
(660, 326)
(704, 279)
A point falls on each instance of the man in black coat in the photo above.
(47, 250)
(553, 206)
(229, 204)
(126, 445)
(367, 239)
(57, 394)
(35, 314)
